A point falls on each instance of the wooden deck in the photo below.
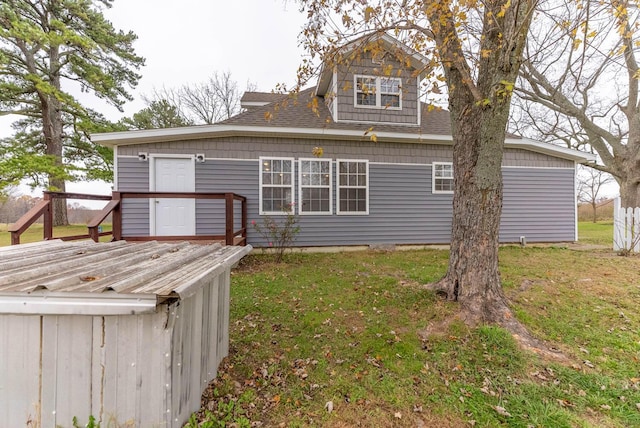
(232, 235)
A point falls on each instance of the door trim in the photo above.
(152, 184)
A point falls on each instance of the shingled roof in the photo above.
(292, 116)
(287, 111)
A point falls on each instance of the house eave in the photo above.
(551, 150)
(249, 104)
(113, 139)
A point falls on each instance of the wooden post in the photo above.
(228, 197)
(48, 217)
(116, 217)
(244, 219)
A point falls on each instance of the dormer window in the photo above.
(378, 92)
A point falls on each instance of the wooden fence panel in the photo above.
(626, 228)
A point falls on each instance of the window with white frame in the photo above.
(378, 92)
(276, 185)
(353, 187)
(314, 178)
(442, 177)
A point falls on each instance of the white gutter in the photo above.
(112, 139)
(550, 149)
(245, 104)
(44, 302)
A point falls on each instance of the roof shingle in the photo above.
(289, 111)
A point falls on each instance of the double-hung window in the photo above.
(276, 185)
(353, 187)
(314, 178)
(442, 177)
(378, 92)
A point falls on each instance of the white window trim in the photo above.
(433, 178)
(378, 105)
(338, 187)
(293, 167)
(300, 187)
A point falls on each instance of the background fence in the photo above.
(626, 228)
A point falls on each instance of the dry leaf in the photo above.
(501, 411)
(329, 406)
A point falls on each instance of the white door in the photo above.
(173, 216)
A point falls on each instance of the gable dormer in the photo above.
(374, 79)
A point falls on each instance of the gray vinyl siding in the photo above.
(251, 148)
(538, 204)
(241, 177)
(347, 111)
(133, 176)
(400, 212)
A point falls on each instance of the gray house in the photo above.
(385, 176)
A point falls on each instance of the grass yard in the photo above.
(34, 233)
(330, 340)
(600, 233)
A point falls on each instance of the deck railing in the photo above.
(232, 236)
(44, 209)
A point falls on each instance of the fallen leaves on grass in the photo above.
(501, 411)
(329, 406)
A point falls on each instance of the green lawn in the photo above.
(340, 331)
(600, 233)
(34, 233)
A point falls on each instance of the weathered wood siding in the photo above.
(19, 374)
(149, 370)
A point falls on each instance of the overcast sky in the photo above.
(187, 41)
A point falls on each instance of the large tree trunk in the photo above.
(473, 278)
(52, 128)
(479, 114)
(628, 174)
(52, 131)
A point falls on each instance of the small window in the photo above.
(353, 187)
(314, 176)
(276, 185)
(442, 177)
(378, 92)
(366, 91)
(389, 92)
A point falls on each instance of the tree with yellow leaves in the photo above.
(476, 49)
